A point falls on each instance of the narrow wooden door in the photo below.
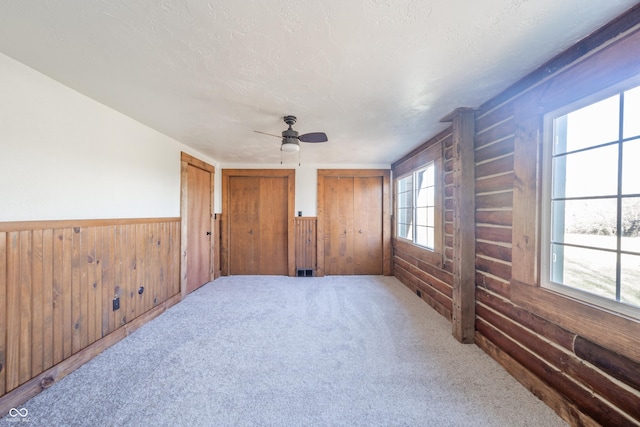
(367, 236)
(273, 225)
(244, 225)
(338, 220)
(199, 193)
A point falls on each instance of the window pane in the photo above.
(408, 216)
(405, 216)
(431, 213)
(426, 197)
(630, 167)
(631, 224)
(405, 200)
(421, 236)
(631, 113)
(585, 222)
(425, 237)
(630, 279)
(585, 269)
(421, 217)
(405, 184)
(587, 173)
(592, 125)
(427, 176)
(430, 237)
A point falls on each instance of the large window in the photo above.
(416, 210)
(591, 196)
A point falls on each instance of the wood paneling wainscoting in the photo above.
(305, 229)
(58, 282)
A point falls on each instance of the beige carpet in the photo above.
(280, 351)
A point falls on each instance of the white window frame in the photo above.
(414, 207)
(546, 214)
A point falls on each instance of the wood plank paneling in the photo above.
(306, 242)
(108, 278)
(37, 296)
(92, 284)
(58, 284)
(47, 300)
(26, 312)
(3, 313)
(13, 311)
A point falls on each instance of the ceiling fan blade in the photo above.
(270, 134)
(314, 137)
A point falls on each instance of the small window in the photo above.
(416, 210)
(591, 201)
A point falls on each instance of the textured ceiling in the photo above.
(375, 75)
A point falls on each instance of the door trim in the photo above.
(290, 174)
(386, 209)
(187, 160)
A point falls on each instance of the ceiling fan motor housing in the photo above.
(290, 144)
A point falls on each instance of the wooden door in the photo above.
(367, 235)
(244, 225)
(353, 222)
(273, 226)
(197, 206)
(338, 220)
(258, 225)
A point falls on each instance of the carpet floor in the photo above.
(282, 351)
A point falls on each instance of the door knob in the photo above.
(250, 231)
(360, 231)
(208, 233)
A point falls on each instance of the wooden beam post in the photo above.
(464, 252)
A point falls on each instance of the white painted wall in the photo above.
(66, 156)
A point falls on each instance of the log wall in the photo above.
(583, 361)
(419, 269)
(58, 280)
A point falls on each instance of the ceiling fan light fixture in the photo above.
(290, 145)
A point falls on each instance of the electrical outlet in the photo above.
(116, 303)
